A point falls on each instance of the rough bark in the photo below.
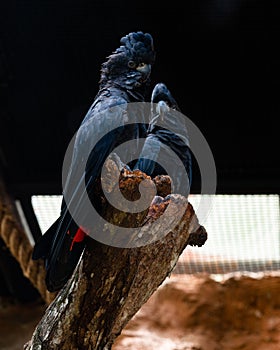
(110, 284)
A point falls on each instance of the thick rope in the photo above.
(21, 249)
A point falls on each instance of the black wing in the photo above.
(167, 132)
(63, 243)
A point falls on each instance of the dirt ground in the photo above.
(198, 312)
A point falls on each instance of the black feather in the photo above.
(161, 140)
(119, 85)
(137, 47)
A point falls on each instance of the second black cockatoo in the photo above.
(167, 138)
(124, 79)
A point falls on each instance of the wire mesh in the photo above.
(243, 232)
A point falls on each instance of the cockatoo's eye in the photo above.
(131, 64)
(141, 65)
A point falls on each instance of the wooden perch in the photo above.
(110, 284)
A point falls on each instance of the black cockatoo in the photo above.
(167, 133)
(125, 78)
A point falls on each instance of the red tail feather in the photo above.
(79, 237)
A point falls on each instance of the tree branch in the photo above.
(110, 284)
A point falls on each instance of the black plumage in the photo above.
(125, 78)
(167, 135)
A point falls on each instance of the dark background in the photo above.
(219, 58)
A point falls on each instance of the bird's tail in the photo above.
(61, 247)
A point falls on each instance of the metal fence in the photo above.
(243, 232)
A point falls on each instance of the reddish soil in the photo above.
(17, 322)
(185, 313)
(199, 313)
